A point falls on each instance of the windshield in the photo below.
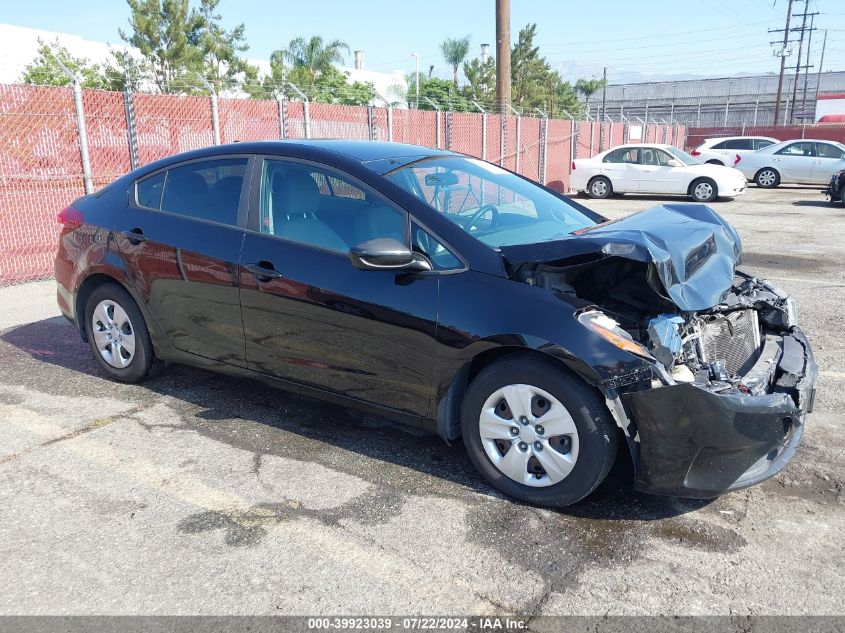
(494, 205)
(682, 156)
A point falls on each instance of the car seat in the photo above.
(295, 199)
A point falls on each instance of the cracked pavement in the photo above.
(195, 493)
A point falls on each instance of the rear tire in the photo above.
(703, 190)
(713, 161)
(599, 187)
(767, 178)
(563, 437)
(118, 335)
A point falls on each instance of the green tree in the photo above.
(455, 51)
(529, 71)
(333, 86)
(589, 87)
(481, 79)
(161, 30)
(444, 94)
(45, 70)
(312, 57)
(222, 64)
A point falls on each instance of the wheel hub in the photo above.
(529, 435)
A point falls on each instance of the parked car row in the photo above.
(718, 168)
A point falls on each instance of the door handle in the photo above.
(264, 271)
(135, 236)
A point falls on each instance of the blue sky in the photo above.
(631, 37)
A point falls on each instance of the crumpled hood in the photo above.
(694, 250)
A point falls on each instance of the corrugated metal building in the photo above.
(732, 101)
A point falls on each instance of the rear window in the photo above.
(205, 190)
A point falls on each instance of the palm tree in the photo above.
(314, 56)
(455, 52)
(589, 87)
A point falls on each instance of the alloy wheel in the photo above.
(113, 334)
(528, 435)
(766, 178)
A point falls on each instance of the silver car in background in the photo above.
(799, 161)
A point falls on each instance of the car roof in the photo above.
(634, 145)
(733, 138)
(357, 150)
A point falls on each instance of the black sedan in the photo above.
(451, 294)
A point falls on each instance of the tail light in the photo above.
(737, 159)
(695, 152)
(573, 165)
(71, 219)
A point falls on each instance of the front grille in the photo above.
(732, 337)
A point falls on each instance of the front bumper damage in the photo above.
(697, 443)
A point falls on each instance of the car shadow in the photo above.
(816, 203)
(218, 407)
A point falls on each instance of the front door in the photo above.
(828, 161)
(312, 318)
(656, 175)
(180, 240)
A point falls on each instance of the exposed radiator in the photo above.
(733, 337)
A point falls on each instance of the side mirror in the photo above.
(386, 253)
(674, 162)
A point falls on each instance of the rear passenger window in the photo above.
(738, 143)
(760, 143)
(722, 145)
(206, 190)
(149, 191)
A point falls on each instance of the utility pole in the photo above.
(503, 55)
(603, 92)
(819, 73)
(807, 65)
(782, 60)
(802, 29)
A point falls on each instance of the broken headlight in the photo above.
(609, 330)
(788, 304)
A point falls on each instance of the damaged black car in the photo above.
(449, 293)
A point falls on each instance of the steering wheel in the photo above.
(481, 211)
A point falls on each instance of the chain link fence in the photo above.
(58, 143)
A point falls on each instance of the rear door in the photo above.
(180, 238)
(795, 161)
(733, 148)
(620, 166)
(828, 161)
(309, 316)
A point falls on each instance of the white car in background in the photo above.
(728, 150)
(800, 161)
(645, 168)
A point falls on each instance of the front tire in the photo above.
(536, 432)
(599, 187)
(703, 190)
(767, 178)
(118, 335)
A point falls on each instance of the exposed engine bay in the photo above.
(734, 346)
